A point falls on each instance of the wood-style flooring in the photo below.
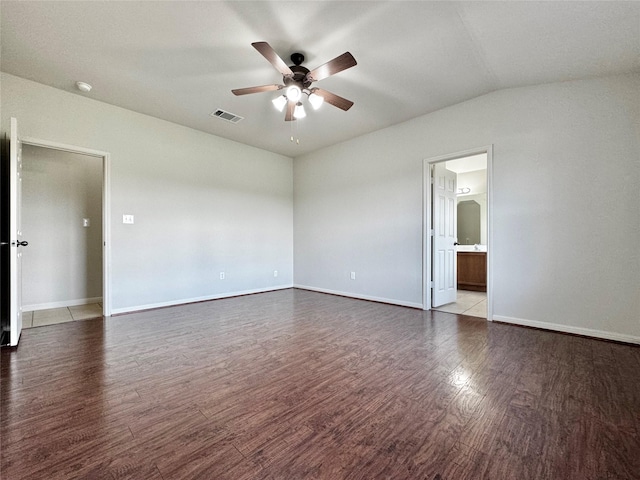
(301, 385)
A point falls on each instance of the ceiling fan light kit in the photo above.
(297, 80)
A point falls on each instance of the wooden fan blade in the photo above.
(290, 108)
(333, 99)
(332, 67)
(270, 54)
(263, 88)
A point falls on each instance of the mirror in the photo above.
(468, 222)
(472, 219)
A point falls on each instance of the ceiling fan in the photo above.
(297, 81)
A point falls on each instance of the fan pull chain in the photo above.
(294, 137)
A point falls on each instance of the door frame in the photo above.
(427, 221)
(106, 207)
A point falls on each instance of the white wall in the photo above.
(62, 265)
(566, 216)
(202, 204)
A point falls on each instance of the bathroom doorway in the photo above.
(469, 251)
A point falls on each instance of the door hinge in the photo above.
(431, 285)
(432, 232)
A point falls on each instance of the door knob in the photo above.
(22, 243)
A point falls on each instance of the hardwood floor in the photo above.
(296, 384)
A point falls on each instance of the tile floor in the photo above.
(39, 318)
(469, 303)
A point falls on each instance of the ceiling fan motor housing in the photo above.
(299, 76)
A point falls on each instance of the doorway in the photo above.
(65, 200)
(467, 271)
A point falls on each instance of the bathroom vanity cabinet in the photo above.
(472, 271)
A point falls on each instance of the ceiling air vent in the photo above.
(229, 117)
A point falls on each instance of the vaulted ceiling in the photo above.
(180, 60)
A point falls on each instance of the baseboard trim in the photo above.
(173, 303)
(586, 332)
(360, 297)
(66, 303)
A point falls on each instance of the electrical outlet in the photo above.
(127, 218)
(221, 275)
(86, 222)
(353, 275)
(275, 273)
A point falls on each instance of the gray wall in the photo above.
(63, 263)
(566, 185)
(202, 204)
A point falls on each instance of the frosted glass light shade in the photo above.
(299, 112)
(279, 102)
(316, 101)
(294, 93)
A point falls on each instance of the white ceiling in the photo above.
(179, 60)
(468, 164)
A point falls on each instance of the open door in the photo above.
(444, 236)
(15, 233)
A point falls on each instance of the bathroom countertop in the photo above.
(471, 248)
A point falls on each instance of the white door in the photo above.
(444, 236)
(15, 232)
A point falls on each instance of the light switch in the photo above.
(86, 222)
(127, 218)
